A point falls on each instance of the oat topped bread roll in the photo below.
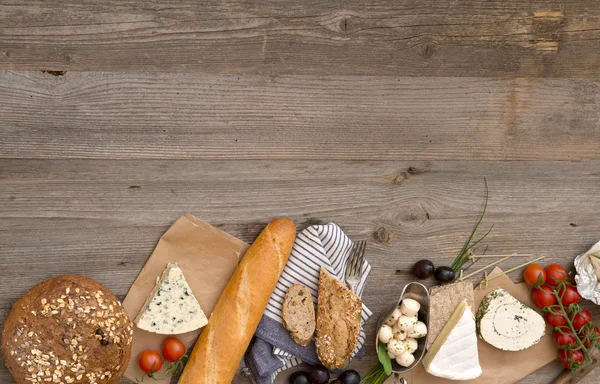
(69, 329)
(230, 328)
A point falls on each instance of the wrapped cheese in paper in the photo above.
(588, 274)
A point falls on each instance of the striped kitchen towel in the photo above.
(273, 350)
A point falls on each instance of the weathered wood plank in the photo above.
(103, 217)
(398, 38)
(187, 116)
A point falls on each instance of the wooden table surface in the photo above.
(382, 116)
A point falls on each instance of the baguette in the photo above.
(223, 342)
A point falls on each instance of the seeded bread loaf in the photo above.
(298, 314)
(69, 329)
(338, 321)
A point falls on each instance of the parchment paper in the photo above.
(206, 255)
(500, 367)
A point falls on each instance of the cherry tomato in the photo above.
(555, 273)
(563, 336)
(590, 336)
(568, 295)
(570, 359)
(173, 348)
(557, 319)
(534, 275)
(150, 361)
(582, 318)
(543, 297)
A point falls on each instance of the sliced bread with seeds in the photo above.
(338, 321)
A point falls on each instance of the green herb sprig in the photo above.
(467, 251)
(382, 371)
(375, 376)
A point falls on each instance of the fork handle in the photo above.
(354, 286)
(399, 380)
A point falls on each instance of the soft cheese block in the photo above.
(171, 307)
(507, 324)
(453, 355)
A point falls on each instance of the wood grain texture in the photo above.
(187, 116)
(546, 38)
(102, 218)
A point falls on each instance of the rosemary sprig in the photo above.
(463, 255)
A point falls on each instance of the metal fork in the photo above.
(355, 266)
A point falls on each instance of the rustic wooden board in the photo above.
(545, 38)
(383, 116)
(102, 218)
(191, 116)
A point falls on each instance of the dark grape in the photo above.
(300, 377)
(336, 381)
(349, 377)
(422, 269)
(444, 274)
(319, 375)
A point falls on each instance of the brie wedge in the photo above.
(171, 307)
(453, 355)
(507, 324)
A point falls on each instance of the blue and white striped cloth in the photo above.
(273, 350)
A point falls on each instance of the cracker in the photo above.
(443, 300)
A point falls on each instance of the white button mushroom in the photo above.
(410, 307)
(385, 334)
(395, 347)
(410, 345)
(418, 331)
(391, 355)
(398, 333)
(405, 359)
(406, 323)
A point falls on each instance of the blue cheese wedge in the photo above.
(508, 324)
(453, 355)
(171, 307)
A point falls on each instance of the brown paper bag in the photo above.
(206, 255)
(500, 367)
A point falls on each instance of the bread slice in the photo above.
(298, 314)
(338, 321)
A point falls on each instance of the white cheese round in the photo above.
(393, 318)
(395, 347)
(508, 324)
(418, 331)
(410, 345)
(410, 307)
(406, 323)
(385, 334)
(405, 359)
(395, 315)
(399, 334)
